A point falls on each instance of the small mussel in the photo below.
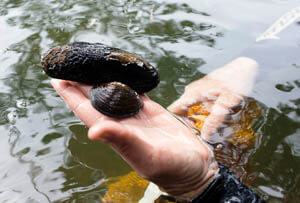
(115, 99)
(117, 77)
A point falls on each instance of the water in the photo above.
(43, 146)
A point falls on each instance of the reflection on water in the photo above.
(45, 154)
(274, 164)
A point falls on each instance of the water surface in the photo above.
(43, 146)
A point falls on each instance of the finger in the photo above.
(151, 108)
(123, 139)
(77, 101)
(180, 106)
(238, 75)
(68, 92)
(82, 87)
(220, 110)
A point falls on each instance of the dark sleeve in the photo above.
(227, 188)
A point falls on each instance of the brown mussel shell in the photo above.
(115, 99)
(96, 63)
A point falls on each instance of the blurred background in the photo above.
(45, 155)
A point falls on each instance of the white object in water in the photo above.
(151, 194)
(280, 25)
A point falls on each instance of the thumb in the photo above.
(107, 131)
(220, 110)
(122, 139)
(180, 106)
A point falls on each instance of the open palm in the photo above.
(153, 142)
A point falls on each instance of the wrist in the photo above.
(192, 186)
(193, 190)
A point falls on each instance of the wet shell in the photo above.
(115, 100)
(95, 63)
(112, 72)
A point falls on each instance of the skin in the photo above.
(221, 90)
(154, 143)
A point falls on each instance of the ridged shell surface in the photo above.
(116, 100)
(95, 63)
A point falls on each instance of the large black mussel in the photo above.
(118, 77)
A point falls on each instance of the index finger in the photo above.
(220, 110)
(181, 105)
(77, 100)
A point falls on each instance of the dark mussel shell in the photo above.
(115, 99)
(96, 63)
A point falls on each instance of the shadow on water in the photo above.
(276, 162)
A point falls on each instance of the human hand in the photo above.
(220, 91)
(154, 143)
